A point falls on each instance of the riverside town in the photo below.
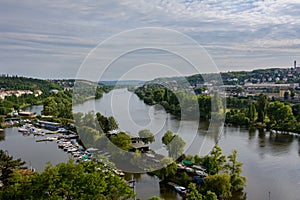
(50, 150)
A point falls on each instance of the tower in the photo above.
(295, 64)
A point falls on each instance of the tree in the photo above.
(112, 124)
(286, 95)
(218, 159)
(184, 179)
(106, 124)
(121, 140)
(220, 185)
(101, 142)
(193, 193)
(7, 165)
(88, 135)
(176, 147)
(69, 181)
(234, 169)
(158, 95)
(167, 138)
(293, 92)
(210, 196)
(146, 136)
(89, 120)
(252, 113)
(175, 144)
(169, 169)
(280, 115)
(296, 111)
(261, 107)
(2, 119)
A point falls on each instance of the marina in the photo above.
(263, 153)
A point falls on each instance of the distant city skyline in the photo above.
(50, 39)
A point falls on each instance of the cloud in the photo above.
(60, 33)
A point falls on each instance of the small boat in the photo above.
(180, 166)
(188, 169)
(23, 130)
(51, 138)
(72, 150)
(200, 173)
(180, 189)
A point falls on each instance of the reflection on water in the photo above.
(271, 161)
(2, 136)
(33, 153)
(35, 109)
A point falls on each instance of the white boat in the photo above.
(51, 138)
(23, 130)
(180, 189)
(72, 150)
(199, 172)
(188, 169)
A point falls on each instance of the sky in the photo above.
(53, 39)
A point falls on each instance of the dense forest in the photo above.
(183, 104)
(253, 111)
(11, 103)
(23, 83)
(85, 180)
(264, 112)
(57, 101)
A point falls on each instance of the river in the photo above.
(271, 161)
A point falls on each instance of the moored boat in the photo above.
(180, 189)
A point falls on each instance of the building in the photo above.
(26, 114)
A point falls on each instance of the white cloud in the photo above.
(60, 33)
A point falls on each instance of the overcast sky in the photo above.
(50, 39)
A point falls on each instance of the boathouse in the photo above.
(139, 146)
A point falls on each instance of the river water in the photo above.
(271, 161)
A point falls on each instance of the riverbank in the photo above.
(271, 161)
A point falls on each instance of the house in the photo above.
(140, 147)
(38, 93)
(26, 114)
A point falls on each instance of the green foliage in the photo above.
(252, 113)
(146, 136)
(296, 111)
(68, 181)
(7, 165)
(121, 140)
(167, 138)
(261, 107)
(193, 193)
(23, 83)
(234, 168)
(169, 169)
(181, 103)
(219, 184)
(210, 196)
(281, 116)
(101, 142)
(174, 143)
(107, 123)
(215, 161)
(11, 103)
(184, 179)
(84, 90)
(88, 135)
(237, 117)
(58, 105)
